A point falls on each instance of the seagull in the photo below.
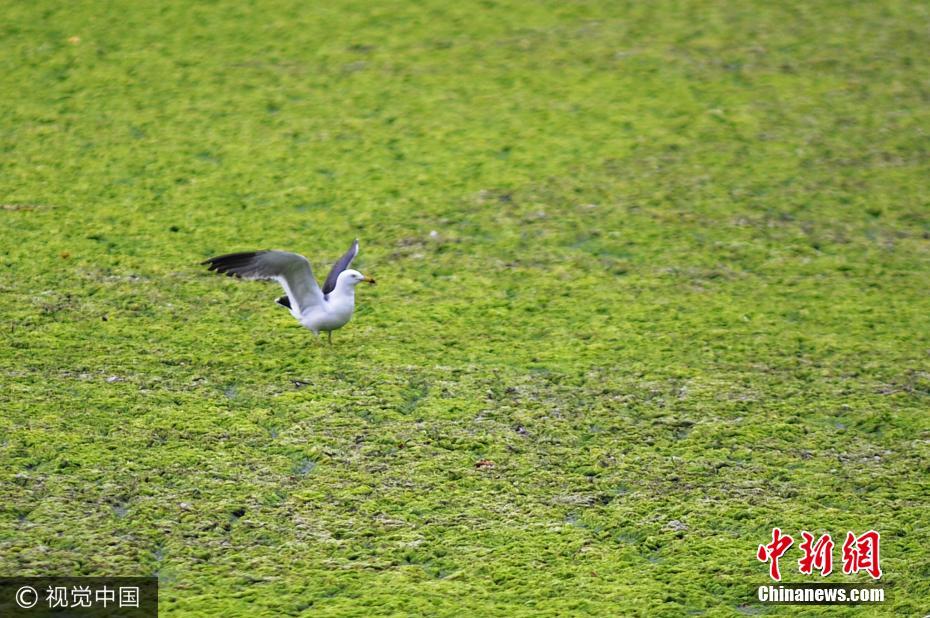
(325, 309)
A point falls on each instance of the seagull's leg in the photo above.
(330, 333)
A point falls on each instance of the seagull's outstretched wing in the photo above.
(291, 270)
(344, 262)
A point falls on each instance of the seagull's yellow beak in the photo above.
(369, 280)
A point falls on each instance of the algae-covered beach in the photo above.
(653, 279)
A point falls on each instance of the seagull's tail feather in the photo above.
(284, 301)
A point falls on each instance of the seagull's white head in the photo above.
(352, 278)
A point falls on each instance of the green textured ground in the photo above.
(677, 293)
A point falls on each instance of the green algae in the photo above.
(658, 262)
